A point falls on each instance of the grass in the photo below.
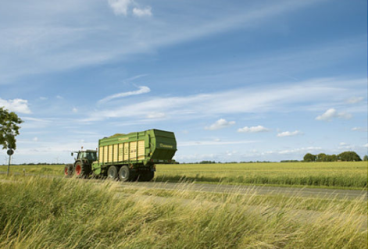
(69, 213)
(348, 175)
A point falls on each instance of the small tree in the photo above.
(365, 158)
(9, 128)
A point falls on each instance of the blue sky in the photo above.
(235, 80)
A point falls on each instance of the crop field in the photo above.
(349, 175)
(70, 213)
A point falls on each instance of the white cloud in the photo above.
(59, 97)
(75, 110)
(120, 7)
(366, 145)
(289, 133)
(283, 97)
(332, 113)
(220, 124)
(254, 129)
(354, 100)
(16, 105)
(156, 115)
(142, 12)
(142, 90)
(214, 142)
(359, 129)
(299, 150)
(35, 139)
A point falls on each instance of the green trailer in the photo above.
(129, 157)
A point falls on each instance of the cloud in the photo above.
(289, 133)
(74, 110)
(120, 7)
(254, 129)
(366, 145)
(359, 129)
(220, 124)
(142, 90)
(16, 105)
(354, 100)
(299, 150)
(281, 97)
(332, 113)
(156, 115)
(142, 12)
(214, 142)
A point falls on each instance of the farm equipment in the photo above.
(125, 157)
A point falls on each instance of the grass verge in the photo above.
(68, 213)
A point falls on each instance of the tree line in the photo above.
(344, 156)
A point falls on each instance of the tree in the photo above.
(321, 157)
(9, 128)
(349, 156)
(309, 157)
(365, 158)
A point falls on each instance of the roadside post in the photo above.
(10, 152)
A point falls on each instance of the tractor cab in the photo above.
(89, 155)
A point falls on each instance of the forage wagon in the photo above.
(125, 157)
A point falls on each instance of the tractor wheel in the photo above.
(112, 173)
(81, 170)
(146, 177)
(125, 174)
(68, 170)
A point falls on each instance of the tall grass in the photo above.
(69, 213)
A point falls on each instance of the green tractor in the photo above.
(82, 166)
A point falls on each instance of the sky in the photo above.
(234, 80)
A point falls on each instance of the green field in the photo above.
(351, 175)
(322, 174)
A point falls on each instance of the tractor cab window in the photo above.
(91, 156)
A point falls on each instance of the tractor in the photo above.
(82, 166)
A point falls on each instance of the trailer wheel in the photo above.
(125, 174)
(112, 173)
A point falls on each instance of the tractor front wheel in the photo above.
(68, 170)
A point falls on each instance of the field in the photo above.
(70, 213)
(348, 175)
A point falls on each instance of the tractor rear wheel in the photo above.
(82, 170)
(112, 173)
(125, 174)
